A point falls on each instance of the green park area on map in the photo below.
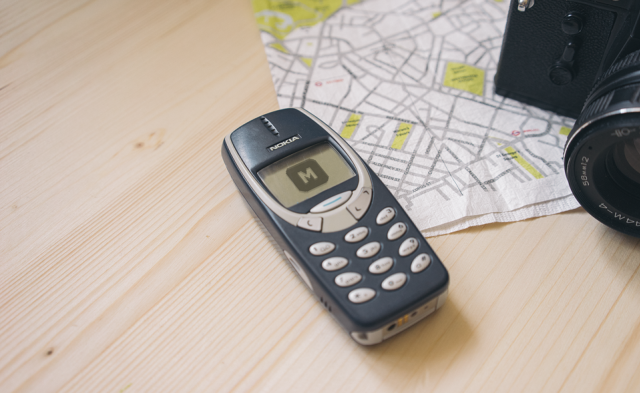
(279, 18)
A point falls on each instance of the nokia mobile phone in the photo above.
(337, 224)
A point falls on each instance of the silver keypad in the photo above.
(381, 265)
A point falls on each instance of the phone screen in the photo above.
(305, 174)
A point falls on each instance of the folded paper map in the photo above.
(409, 84)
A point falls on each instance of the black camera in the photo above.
(581, 59)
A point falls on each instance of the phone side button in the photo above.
(361, 295)
(348, 279)
(394, 281)
(298, 269)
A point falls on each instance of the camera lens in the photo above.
(632, 155)
(626, 157)
(602, 154)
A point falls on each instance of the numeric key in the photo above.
(380, 266)
(321, 248)
(334, 263)
(368, 250)
(385, 215)
(408, 246)
(348, 279)
(356, 235)
(394, 281)
(397, 231)
(361, 295)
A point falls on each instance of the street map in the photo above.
(409, 84)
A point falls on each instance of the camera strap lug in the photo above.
(523, 5)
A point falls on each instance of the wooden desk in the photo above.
(130, 263)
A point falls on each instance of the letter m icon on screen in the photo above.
(307, 175)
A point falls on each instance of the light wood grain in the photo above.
(129, 261)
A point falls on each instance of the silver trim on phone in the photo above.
(402, 324)
(333, 220)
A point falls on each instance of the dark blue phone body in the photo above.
(351, 243)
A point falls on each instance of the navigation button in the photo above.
(331, 203)
(361, 295)
(356, 235)
(408, 246)
(394, 281)
(348, 279)
(321, 248)
(310, 223)
(360, 206)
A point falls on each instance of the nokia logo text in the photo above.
(283, 143)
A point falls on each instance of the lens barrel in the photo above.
(602, 154)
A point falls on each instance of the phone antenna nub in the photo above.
(269, 126)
